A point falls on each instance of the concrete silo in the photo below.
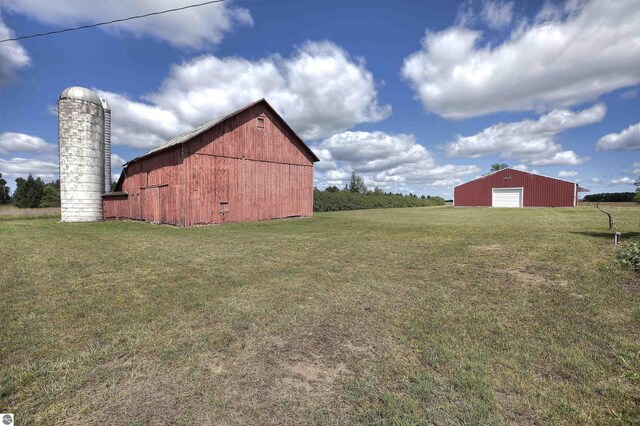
(107, 145)
(82, 159)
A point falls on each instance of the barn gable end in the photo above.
(248, 166)
(255, 133)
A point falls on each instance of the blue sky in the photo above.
(415, 96)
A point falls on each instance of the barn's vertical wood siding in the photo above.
(538, 191)
(116, 207)
(234, 172)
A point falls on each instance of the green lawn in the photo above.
(400, 316)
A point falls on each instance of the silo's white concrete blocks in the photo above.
(82, 158)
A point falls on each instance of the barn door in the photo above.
(150, 204)
(164, 198)
(222, 192)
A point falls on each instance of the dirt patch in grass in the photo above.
(537, 275)
(633, 283)
(313, 376)
(488, 248)
(137, 398)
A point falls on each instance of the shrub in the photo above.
(629, 254)
(328, 201)
(50, 196)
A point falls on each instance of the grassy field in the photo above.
(400, 316)
(9, 212)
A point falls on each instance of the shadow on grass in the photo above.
(608, 235)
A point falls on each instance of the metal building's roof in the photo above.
(81, 94)
(516, 170)
(184, 137)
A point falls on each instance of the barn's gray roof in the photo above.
(184, 137)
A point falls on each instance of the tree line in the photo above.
(612, 197)
(31, 193)
(356, 196)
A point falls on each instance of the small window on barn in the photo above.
(224, 207)
(260, 122)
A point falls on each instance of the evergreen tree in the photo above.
(356, 184)
(28, 192)
(4, 191)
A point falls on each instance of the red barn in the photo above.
(247, 166)
(514, 188)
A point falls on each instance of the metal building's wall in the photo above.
(81, 160)
(538, 191)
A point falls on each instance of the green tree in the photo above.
(637, 196)
(332, 189)
(498, 166)
(28, 192)
(51, 195)
(4, 191)
(356, 184)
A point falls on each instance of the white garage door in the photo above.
(507, 197)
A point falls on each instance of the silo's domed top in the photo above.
(105, 104)
(81, 94)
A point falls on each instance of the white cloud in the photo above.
(524, 168)
(319, 91)
(623, 181)
(393, 162)
(116, 166)
(636, 168)
(141, 125)
(564, 57)
(564, 158)
(44, 165)
(116, 161)
(629, 94)
(195, 28)
(497, 14)
(12, 55)
(530, 141)
(21, 142)
(629, 138)
(47, 169)
(567, 173)
(375, 151)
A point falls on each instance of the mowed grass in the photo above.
(401, 316)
